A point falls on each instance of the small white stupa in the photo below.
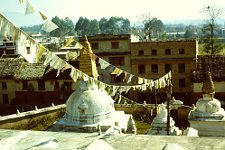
(208, 116)
(159, 124)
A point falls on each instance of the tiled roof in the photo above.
(8, 66)
(30, 71)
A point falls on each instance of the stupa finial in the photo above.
(208, 86)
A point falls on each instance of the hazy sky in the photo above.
(161, 9)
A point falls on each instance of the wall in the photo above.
(10, 91)
(25, 119)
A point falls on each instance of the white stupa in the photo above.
(159, 124)
(89, 108)
(208, 116)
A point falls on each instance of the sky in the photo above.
(165, 10)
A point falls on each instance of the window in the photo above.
(116, 61)
(141, 69)
(94, 45)
(181, 68)
(168, 51)
(182, 83)
(181, 51)
(115, 78)
(168, 67)
(141, 52)
(24, 85)
(41, 85)
(154, 52)
(5, 98)
(28, 50)
(115, 45)
(154, 68)
(4, 86)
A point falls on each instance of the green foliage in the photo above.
(190, 33)
(66, 27)
(153, 27)
(115, 25)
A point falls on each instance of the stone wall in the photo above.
(32, 119)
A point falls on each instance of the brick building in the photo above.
(149, 60)
(154, 59)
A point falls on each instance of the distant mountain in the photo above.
(20, 19)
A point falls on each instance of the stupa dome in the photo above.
(88, 105)
(208, 104)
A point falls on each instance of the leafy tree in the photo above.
(68, 24)
(66, 27)
(103, 23)
(94, 26)
(79, 26)
(84, 26)
(190, 33)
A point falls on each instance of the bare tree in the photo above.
(212, 13)
(151, 26)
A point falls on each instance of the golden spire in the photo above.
(208, 86)
(87, 60)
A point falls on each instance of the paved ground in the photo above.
(33, 140)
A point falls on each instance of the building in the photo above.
(116, 50)
(152, 60)
(7, 47)
(24, 85)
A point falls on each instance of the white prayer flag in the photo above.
(29, 9)
(49, 26)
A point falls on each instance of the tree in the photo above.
(152, 26)
(103, 23)
(69, 26)
(66, 27)
(190, 33)
(94, 26)
(210, 40)
(79, 26)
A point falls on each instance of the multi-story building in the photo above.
(24, 85)
(152, 60)
(7, 47)
(116, 50)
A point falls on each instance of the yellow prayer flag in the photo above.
(78, 45)
(116, 71)
(43, 16)
(69, 41)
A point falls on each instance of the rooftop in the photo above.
(17, 139)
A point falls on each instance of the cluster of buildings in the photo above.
(21, 80)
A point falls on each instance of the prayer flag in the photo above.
(69, 41)
(29, 9)
(49, 26)
(43, 16)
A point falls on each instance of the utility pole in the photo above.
(168, 93)
(155, 92)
